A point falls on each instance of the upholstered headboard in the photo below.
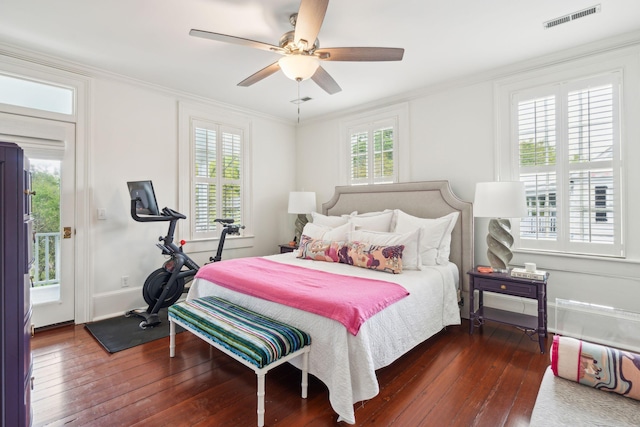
(429, 199)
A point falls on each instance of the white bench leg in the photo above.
(305, 374)
(172, 339)
(260, 372)
(261, 380)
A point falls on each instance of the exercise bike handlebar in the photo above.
(173, 214)
(167, 214)
(224, 221)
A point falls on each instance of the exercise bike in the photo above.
(164, 286)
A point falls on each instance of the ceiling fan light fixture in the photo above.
(299, 67)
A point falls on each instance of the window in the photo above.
(372, 141)
(372, 157)
(217, 189)
(567, 144)
(26, 93)
(214, 172)
(217, 167)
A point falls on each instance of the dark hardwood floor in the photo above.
(490, 378)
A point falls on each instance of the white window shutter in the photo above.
(217, 175)
(373, 149)
(567, 142)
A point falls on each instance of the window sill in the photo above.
(579, 264)
(211, 245)
(569, 255)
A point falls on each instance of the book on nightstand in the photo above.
(524, 274)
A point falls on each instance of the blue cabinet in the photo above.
(15, 307)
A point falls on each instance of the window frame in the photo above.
(395, 116)
(39, 89)
(58, 80)
(508, 154)
(220, 130)
(188, 115)
(563, 168)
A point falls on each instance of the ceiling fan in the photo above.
(301, 52)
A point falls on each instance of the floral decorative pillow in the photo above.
(375, 257)
(321, 250)
(410, 240)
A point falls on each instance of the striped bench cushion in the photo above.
(252, 336)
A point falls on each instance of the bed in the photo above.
(344, 362)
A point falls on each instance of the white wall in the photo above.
(135, 137)
(453, 137)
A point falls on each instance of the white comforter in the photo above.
(347, 363)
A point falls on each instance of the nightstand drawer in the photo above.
(287, 248)
(499, 286)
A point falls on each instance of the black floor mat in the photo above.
(120, 333)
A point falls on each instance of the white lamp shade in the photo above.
(504, 199)
(298, 67)
(302, 202)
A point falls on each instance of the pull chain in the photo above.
(298, 80)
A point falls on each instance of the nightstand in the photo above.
(287, 248)
(503, 283)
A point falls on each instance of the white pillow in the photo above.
(336, 234)
(328, 221)
(369, 213)
(435, 242)
(339, 234)
(410, 240)
(373, 222)
(314, 230)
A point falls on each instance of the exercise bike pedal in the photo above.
(149, 321)
(145, 325)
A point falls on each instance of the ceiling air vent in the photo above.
(301, 100)
(571, 17)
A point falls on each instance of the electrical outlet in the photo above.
(124, 281)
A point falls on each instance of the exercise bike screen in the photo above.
(142, 191)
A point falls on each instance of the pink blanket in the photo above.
(349, 300)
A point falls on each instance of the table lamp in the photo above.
(301, 203)
(500, 201)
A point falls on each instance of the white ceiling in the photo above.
(443, 40)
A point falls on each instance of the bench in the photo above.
(252, 339)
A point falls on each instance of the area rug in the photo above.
(120, 333)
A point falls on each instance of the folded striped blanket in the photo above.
(256, 338)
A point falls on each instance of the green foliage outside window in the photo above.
(46, 217)
(382, 162)
(359, 155)
(537, 153)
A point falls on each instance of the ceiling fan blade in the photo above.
(235, 40)
(360, 54)
(256, 77)
(310, 17)
(325, 81)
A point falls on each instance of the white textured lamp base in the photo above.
(301, 221)
(499, 242)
